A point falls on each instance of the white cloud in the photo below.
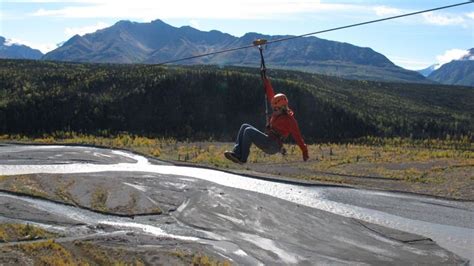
(451, 55)
(4, 16)
(443, 20)
(10, 42)
(384, 11)
(434, 18)
(148, 10)
(409, 63)
(43, 47)
(84, 30)
(195, 24)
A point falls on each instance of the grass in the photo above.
(199, 259)
(22, 184)
(99, 199)
(12, 232)
(83, 252)
(106, 256)
(48, 253)
(204, 260)
(62, 191)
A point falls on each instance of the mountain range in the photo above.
(155, 42)
(17, 51)
(457, 72)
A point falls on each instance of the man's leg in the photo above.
(260, 139)
(238, 142)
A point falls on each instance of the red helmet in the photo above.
(279, 100)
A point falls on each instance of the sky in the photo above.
(412, 42)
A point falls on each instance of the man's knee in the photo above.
(249, 132)
(249, 136)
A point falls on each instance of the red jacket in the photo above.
(284, 124)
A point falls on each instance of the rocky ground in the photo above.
(110, 211)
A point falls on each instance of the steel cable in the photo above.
(314, 33)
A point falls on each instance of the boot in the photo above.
(233, 157)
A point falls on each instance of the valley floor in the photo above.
(76, 205)
(437, 168)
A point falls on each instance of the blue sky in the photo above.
(413, 43)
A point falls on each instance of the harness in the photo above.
(274, 134)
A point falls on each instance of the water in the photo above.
(448, 234)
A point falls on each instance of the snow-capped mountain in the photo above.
(12, 50)
(456, 72)
(427, 71)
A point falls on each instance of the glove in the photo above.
(283, 150)
(305, 154)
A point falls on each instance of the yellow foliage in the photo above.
(99, 199)
(331, 157)
(155, 152)
(203, 260)
(4, 236)
(48, 252)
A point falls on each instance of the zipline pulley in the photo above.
(260, 43)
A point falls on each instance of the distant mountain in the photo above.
(131, 42)
(427, 71)
(17, 51)
(456, 72)
(468, 56)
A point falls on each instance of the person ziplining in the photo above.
(282, 122)
(279, 126)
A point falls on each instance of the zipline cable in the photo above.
(316, 32)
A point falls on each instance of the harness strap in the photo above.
(276, 135)
(263, 69)
(263, 73)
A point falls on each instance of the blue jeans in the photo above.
(248, 135)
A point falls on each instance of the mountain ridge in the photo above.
(156, 41)
(17, 51)
(457, 72)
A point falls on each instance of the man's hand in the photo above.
(305, 154)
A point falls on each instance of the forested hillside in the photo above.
(200, 102)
